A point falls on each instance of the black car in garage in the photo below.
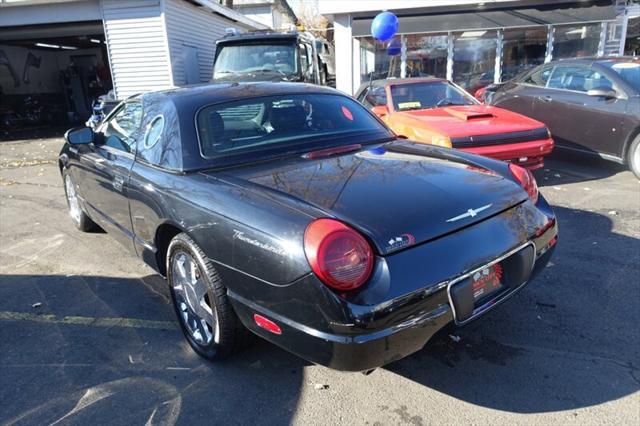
(291, 211)
(590, 105)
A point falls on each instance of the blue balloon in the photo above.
(394, 47)
(384, 26)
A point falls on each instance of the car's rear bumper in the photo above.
(366, 345)
(528, 154)
(347, 352)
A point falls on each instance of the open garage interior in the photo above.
(49, 76)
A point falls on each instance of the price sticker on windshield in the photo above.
(405, 105)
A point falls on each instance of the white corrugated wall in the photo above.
(137, 45)
(189, 25)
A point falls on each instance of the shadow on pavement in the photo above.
(63, 362)
(568, 340)
(563, 167)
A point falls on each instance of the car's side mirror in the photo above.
(79, 136)
(603, 92)
(380, 110)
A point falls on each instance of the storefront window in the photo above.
(474, 59)
(522, 48)
(379, 59)
(632, 42)
(427, 55)
(574, 41)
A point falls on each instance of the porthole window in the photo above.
(154, 132)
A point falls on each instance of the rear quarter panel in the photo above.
(236, 228)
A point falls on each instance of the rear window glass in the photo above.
(284, 122)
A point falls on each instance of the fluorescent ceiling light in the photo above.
(95, 40)
(55, 46)
(50, 46)
(473, 34)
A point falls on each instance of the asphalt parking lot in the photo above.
(87, 334)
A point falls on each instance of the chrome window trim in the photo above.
(145, 142)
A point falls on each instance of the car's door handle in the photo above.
(545, 98)
(96, 161)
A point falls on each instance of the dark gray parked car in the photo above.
(590, 105)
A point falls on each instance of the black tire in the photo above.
(633, 157)
(79, 217)
(230, 336)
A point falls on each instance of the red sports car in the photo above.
(436, 111)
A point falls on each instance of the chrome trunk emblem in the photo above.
(469, 213)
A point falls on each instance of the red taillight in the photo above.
(338, 255)
(550, 224)
(267, 324)
(527, 181)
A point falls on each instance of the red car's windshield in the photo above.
(428, 95)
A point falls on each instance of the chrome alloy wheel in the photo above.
(635, 158)
(72, 198)
(195, 307)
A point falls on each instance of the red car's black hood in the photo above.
(396, 194)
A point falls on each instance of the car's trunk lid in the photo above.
(394, 194)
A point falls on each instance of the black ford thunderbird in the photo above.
(290, 211)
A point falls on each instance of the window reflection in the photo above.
(474, 59)
(475, 52)
(379, 59)
(522, 48)
(632, 42)
(577, 78)
(574, 41)
(427, 55)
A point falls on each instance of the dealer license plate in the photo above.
(487, 282)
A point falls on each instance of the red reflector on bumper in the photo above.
(267, 324)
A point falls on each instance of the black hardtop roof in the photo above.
(209, 93)
(180, 106)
